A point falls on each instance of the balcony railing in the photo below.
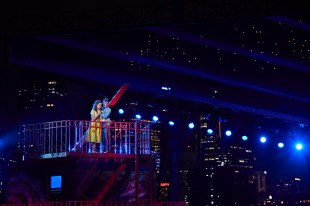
(57, 138)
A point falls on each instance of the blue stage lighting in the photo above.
(210, 131)
(299, 146)
(138, 116)
(121, 111)
(191, 125)
(263, 139)
(228, 133)
(244, 138)
(171, 123)
(155, 118)
(280, 145)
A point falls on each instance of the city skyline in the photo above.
(290, 163)
(242, 69)
(266, 155)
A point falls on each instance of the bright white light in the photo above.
(171, 123)
(166, 88)
(191, 125)
(298, 146)
(228, 133)
(244, 138)
(138, 116)
(210, 131)
(263, 139)
(121, 111)
(280, 145)
(155, 118)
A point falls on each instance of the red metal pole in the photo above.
(118, 94)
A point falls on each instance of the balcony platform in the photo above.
(91, 155)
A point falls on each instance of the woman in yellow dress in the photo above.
(94, 132)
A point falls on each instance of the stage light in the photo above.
(121, 111)
(280, 145)
(298, 146)
(171, 123)
(138, 116)
(244, 138)
(155, 118)
(210, 131)
(191, 125)
(166, 88)
(228, 133)
(263, 139)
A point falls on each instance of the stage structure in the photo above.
(57, 165)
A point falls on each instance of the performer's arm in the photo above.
(105, 113)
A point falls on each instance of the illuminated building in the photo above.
(287, 186)
(188, 162)
(261, 185)
(226, 169)
(164, 191)
(42, 100)
(155, 144)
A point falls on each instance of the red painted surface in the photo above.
(118, 94)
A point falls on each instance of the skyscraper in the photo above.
(42, 100)
(226, 168)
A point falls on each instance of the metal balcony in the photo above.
(69, 138)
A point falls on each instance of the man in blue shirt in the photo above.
(106, 130)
